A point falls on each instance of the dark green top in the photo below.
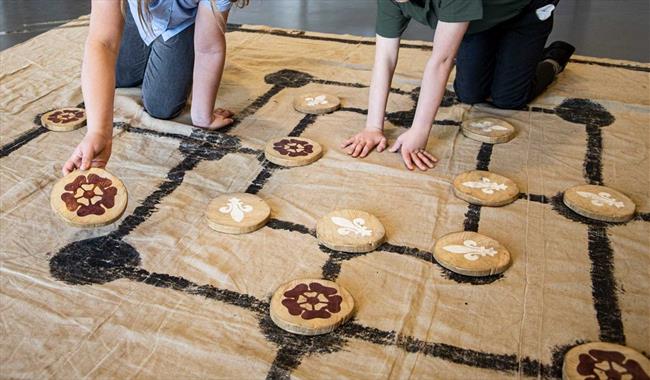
(393, 17)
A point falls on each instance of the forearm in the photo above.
(98, 86)
(432, 90)
(208, 68)
(382, 75)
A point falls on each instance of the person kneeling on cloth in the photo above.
(498, 48)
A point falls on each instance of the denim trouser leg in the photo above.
(502, 62)
(164, 69)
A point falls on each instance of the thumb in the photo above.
(86, 156)
(395, 146)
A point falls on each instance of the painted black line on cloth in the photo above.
(305, 122)
(534, 198)
(149, 205)
(22, 140)
(593, 168)
(644, 216)
(604, 288)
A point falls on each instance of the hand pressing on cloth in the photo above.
(220, 118)
(93, 151)
(411, 144)
(364, 142)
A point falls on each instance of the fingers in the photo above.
(220, 122)
(425, 159)
(395, 146)
(366, 149)
(223, 112)
(73, 162)
(348, 142)
(358, 148)
(382, 145)
(87, 156)
(418, 162)
(430, 156)
(407, 159)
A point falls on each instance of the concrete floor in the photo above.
(600, 28)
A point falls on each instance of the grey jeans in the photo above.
(164, 69)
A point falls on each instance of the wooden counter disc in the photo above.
(64, 119)
(292, 151)
(90, 198)
(311, 306)
(237, 213)
(488, 130)
(316, 103)
(471, 254)
(600, 360)
(600, 203)
(485, 188)
(351, 231)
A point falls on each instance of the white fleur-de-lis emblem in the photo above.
(601, 199)
(486, 186)
(470, 250)
(488, 126)
(236, 208)
(320, 99)
(356, 226)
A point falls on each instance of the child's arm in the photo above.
(209, 59)
(98, 85)
(386, 54)
(436, 73)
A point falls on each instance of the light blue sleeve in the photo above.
(221, 5)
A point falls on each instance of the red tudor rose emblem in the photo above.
(312, 301)
(65, 116)
(89, 196)
(293, 147)
(610, 365)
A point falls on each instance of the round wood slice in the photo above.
(485, 188)
(316, 103)
(600, 203)
(311, 306)
(351, 231)
(601, 360)
(90, 198)
(237, 213)
(471, 254)
(488, 130)
(64, 119)
(292, 151)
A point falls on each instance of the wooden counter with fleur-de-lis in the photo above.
(599, 203)
(316, 103)
(353, 231)
(471, 254)
(601, 360)
(237, 213)
(90, 198)
(485, 188)
(311, 306)
(488, 130)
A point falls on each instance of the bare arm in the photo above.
(436, 73)
(209, 60)
(98, 85)
(411, 144)
(386, 54)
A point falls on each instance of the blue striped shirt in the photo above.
(170, 17)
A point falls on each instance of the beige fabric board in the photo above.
(159, 294)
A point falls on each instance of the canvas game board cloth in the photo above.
(161, 295)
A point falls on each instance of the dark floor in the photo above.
(600, 28)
